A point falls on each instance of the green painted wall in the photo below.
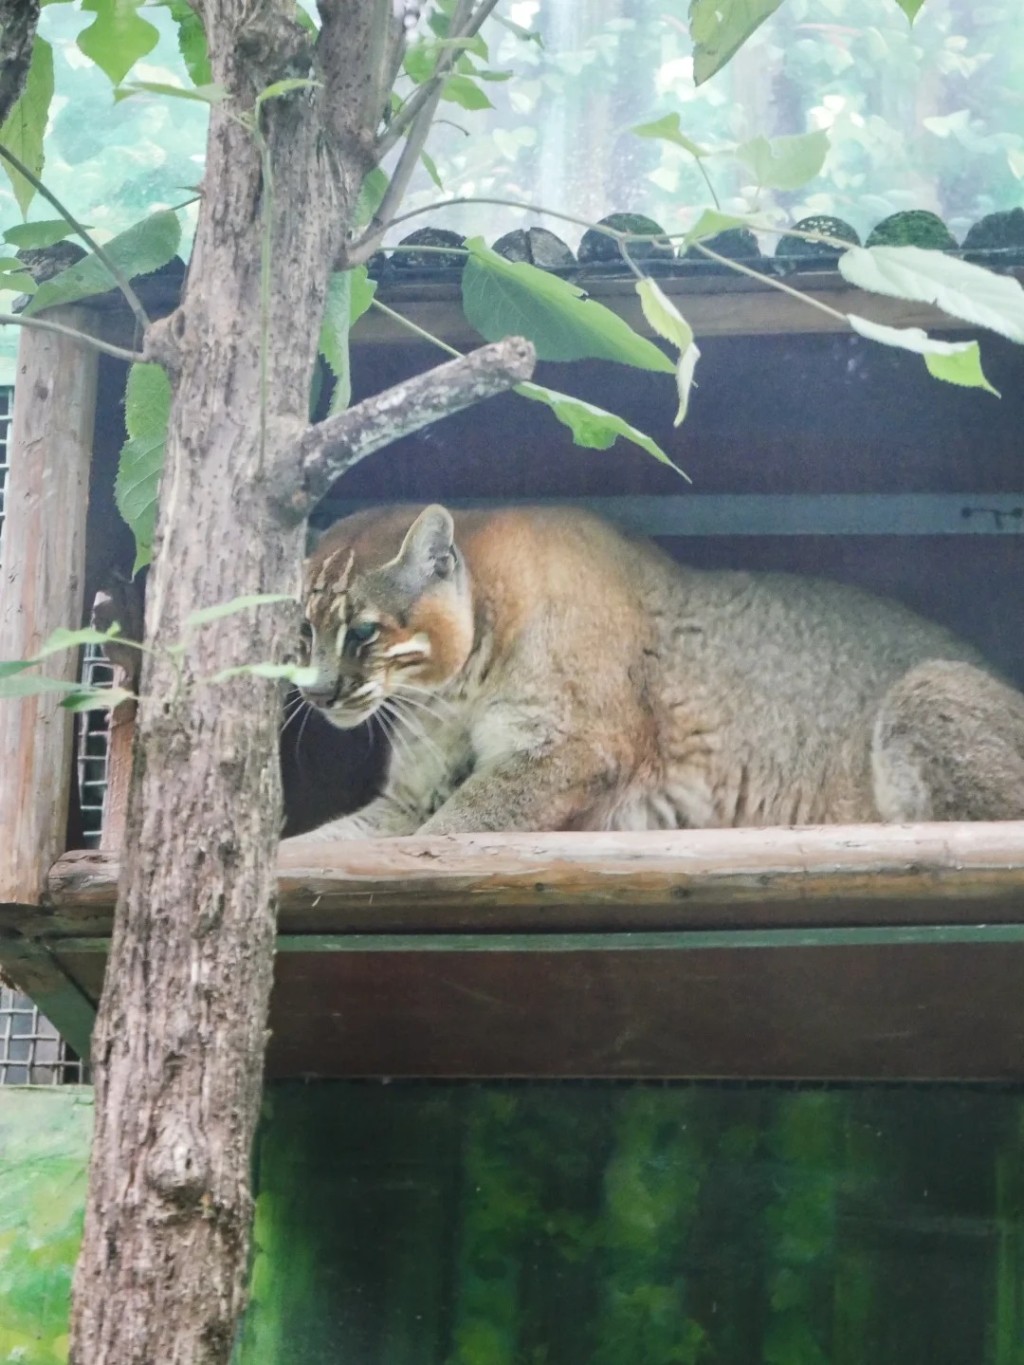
(583, 1225)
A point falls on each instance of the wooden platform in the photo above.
(869, 952)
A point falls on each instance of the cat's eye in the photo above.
(362, 632)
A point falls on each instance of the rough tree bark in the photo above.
(18, 20)
(179, 1040)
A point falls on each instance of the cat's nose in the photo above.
(321, 693)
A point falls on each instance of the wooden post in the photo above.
(42, 561)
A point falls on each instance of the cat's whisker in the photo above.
(421, 705)
(434, 697)
(292, 710)
(417, 731)
(389, 725)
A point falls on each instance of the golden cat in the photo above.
(539, 670)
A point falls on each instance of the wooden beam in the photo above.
(43, 557)
(829, 876)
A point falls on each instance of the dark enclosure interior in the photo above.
(815, 454)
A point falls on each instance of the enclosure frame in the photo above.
(902, 946)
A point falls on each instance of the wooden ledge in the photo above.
(827, 877)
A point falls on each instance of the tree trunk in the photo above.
(179, 1040)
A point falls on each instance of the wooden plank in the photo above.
(828, 876)
(719, 306)
(36, 973)
(42, 556)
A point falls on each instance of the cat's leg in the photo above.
(523, 791)
(948, 744)
(382, 817)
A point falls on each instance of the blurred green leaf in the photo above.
(137, 486)
(667, 129)
(505, 298)
(221, 609)
(24, 127)
(117, 37)
(591, 426)
(144, 247)
(720, 27)
(785, 163)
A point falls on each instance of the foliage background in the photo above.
(928, 116)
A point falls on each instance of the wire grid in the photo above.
(32, 1052)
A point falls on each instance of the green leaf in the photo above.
(719, 28)
(711, 222)
(33, 685)
(236, 604)
(665, 318)
(349, 294)
(592, 426)
(15, 279)
(191, 41)
(46, 232)
(910, 8)
(73, 639)
(147, 406)
(205, 94)
(23, 129)
(11, 666)
(117, 37)
(464, 91)
(97, 699)
(431, 168)
(370, 196)
(785, 163)
(505, 298)
(667, 130)
(962, 290)
(141, 248)
(293, 673)
(955, 362)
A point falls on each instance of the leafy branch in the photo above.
(96, 343)
(118, 275)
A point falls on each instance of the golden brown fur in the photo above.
(537, 669)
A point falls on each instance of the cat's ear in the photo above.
(427, 551)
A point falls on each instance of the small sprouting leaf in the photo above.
(785, 163)
(592, 426)
(236, 604)
(292, 673)
(511, 298)
(22, 684)
(955, 362)
(205, 94)
(147, 406)
(962, 290)
(286, 87)
(910, 8)
(117, 37)
(144, 247)
(62, 639)
(23, 129)
(97, 699)
(667, 130)
(666, 319)
(431, 168)
(46, 232)
(711, 222)
(719, 30)
(463, 90)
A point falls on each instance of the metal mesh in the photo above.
(92, 747)
(32, 1052)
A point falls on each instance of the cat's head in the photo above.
(388, 607)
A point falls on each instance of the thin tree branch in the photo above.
(333, 446)
(118, 275)
(106, 347)
(18, 20)
(410, 110)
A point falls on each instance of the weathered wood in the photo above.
(42, 557)
(928, 1003)
(714, 306)
(834, 875)
(120, 738)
